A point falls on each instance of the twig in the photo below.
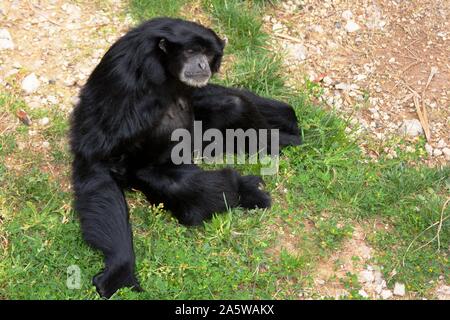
(288, 37)
(433, 72)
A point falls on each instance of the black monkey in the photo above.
(120, 133)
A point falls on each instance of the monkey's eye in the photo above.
(190, 51)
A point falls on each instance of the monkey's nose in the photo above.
(202, 65)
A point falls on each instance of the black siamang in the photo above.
(152, 81)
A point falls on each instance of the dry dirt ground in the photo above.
(377, 74)
(380, 61)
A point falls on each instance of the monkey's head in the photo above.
(160, 50)
(190, 52)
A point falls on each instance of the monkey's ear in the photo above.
(163, 45)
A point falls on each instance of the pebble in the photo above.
(52, 99)
(366, 276)
(30, 83)
(74, 100)
(428, 149)
(45, 144)
(399, 289)
(5, 40)
(437, 152)
(347, 15)
(342, 86)
(327, 81)
(352, 26)
(411, 128)
(298, 51)
(386, 294)
(44, 121)
(441, 144)
(363, 293)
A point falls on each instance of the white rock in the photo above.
(298, 51)
(360, 77)
(441, 144)
(428, 149)
(347, 15)
(342, 86)
(378, 278)
(45, 144)
(366, 276)
(443, 292)
(437, 152)
(52, 99)
(328, 81)
(446, 152)
(363, 293)
(399, 289)
(411, 128)
(75, 100)
(30, 83)
(44, 121)
(386, 294)
(5, 40)
(352, 26)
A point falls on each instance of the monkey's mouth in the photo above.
(195, 79)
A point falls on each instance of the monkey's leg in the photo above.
(193, 195)
(103, 213)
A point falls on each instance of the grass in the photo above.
(324, 189)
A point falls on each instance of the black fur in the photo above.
(120, 139)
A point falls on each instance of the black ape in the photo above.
(121, 129)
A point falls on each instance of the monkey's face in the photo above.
(192, 63)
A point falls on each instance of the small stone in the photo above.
(443, 292)
(44, 121)
(5, 40)
(386, 294)
(399, 289)
(69, 82)
(363, 293)
(378, 278)
(437, 152)
(327, 81)
(411, 128)
(366, 276)
(347, 15)
(45, 144)
(342, 86)
(30, 83)
(75, 100)
(52, 99)
(441, 144)
(320, 282)
(298, 51)
(352, 26)
(428, 149)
